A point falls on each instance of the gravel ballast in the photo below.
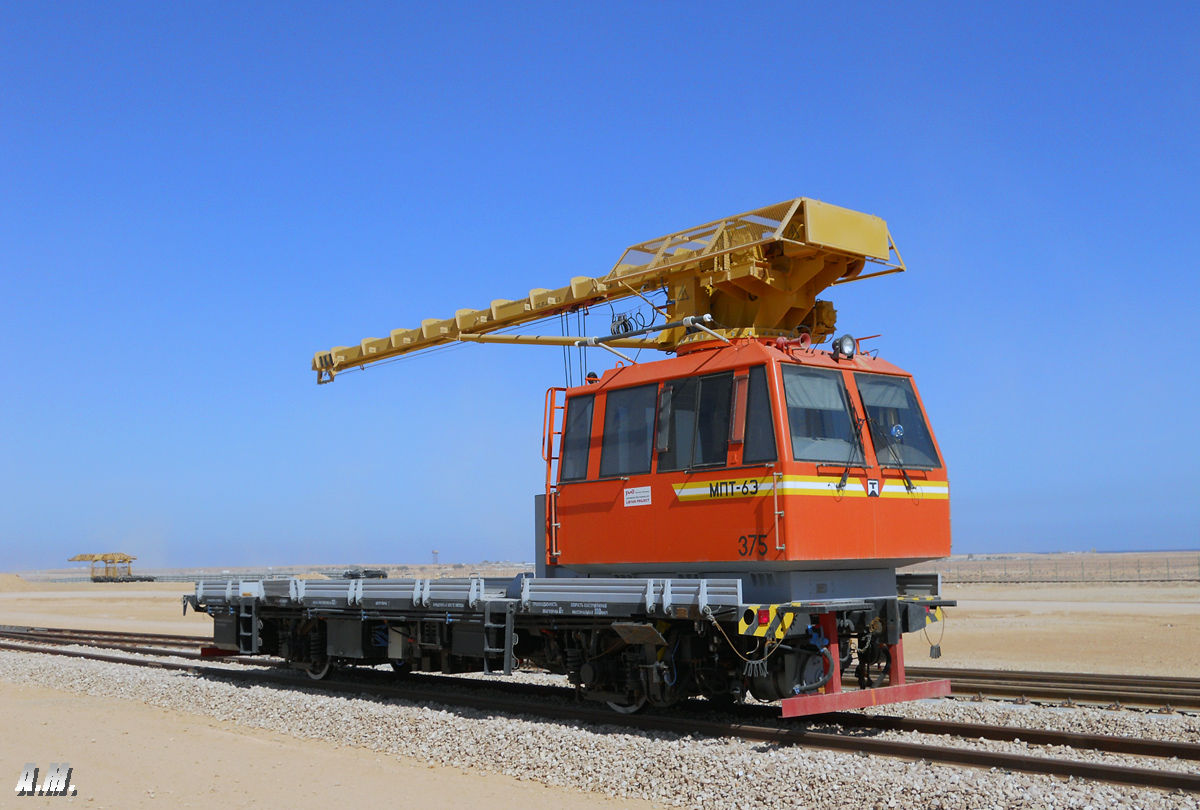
(661, 767)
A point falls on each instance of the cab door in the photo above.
(610, 517)
(912, 505)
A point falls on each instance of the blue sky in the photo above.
(196, 197)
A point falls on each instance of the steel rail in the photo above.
(1187, 701)
(139, 649)
(1178, 693)
(1116, 774)
(1072, 678)
(1095, 742)
(9, 629)
(90, 637)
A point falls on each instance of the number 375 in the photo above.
(752, 544)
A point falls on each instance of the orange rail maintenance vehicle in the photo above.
(725, 521)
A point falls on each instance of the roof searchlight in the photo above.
(845, 346)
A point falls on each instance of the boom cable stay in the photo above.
(756, 274)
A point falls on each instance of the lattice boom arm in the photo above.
(756, 273)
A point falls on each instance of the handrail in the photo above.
(549, 418)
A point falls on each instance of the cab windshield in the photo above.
(898, 428)
(819, 417)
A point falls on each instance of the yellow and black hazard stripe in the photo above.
(781, 618)
(779, 621)
(933, 612)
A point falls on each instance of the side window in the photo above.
(677, 424)
(712, 421)
(576, 440)
(628, 431)
(760, 430)
(694, 422)
(819, 416)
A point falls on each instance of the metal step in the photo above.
(490, 609)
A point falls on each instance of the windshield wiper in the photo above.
(857, 437)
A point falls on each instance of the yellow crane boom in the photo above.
(753, 274)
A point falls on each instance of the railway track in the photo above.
(167, 639)
(1102, 690)
(756, 723)
(140, 643)
(1098, 689)
(1066, 688)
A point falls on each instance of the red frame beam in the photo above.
(831, 698)
(862, 698)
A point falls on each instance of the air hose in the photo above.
(824, 679)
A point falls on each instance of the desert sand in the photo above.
(129, 755)
(147, 607)
(1137, 628)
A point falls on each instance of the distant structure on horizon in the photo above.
(435, 556)
(117, 567)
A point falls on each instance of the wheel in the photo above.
(791, 674)
(400, 667)
(321, 671)
(628, 708)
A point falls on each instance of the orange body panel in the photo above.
(725, 518)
